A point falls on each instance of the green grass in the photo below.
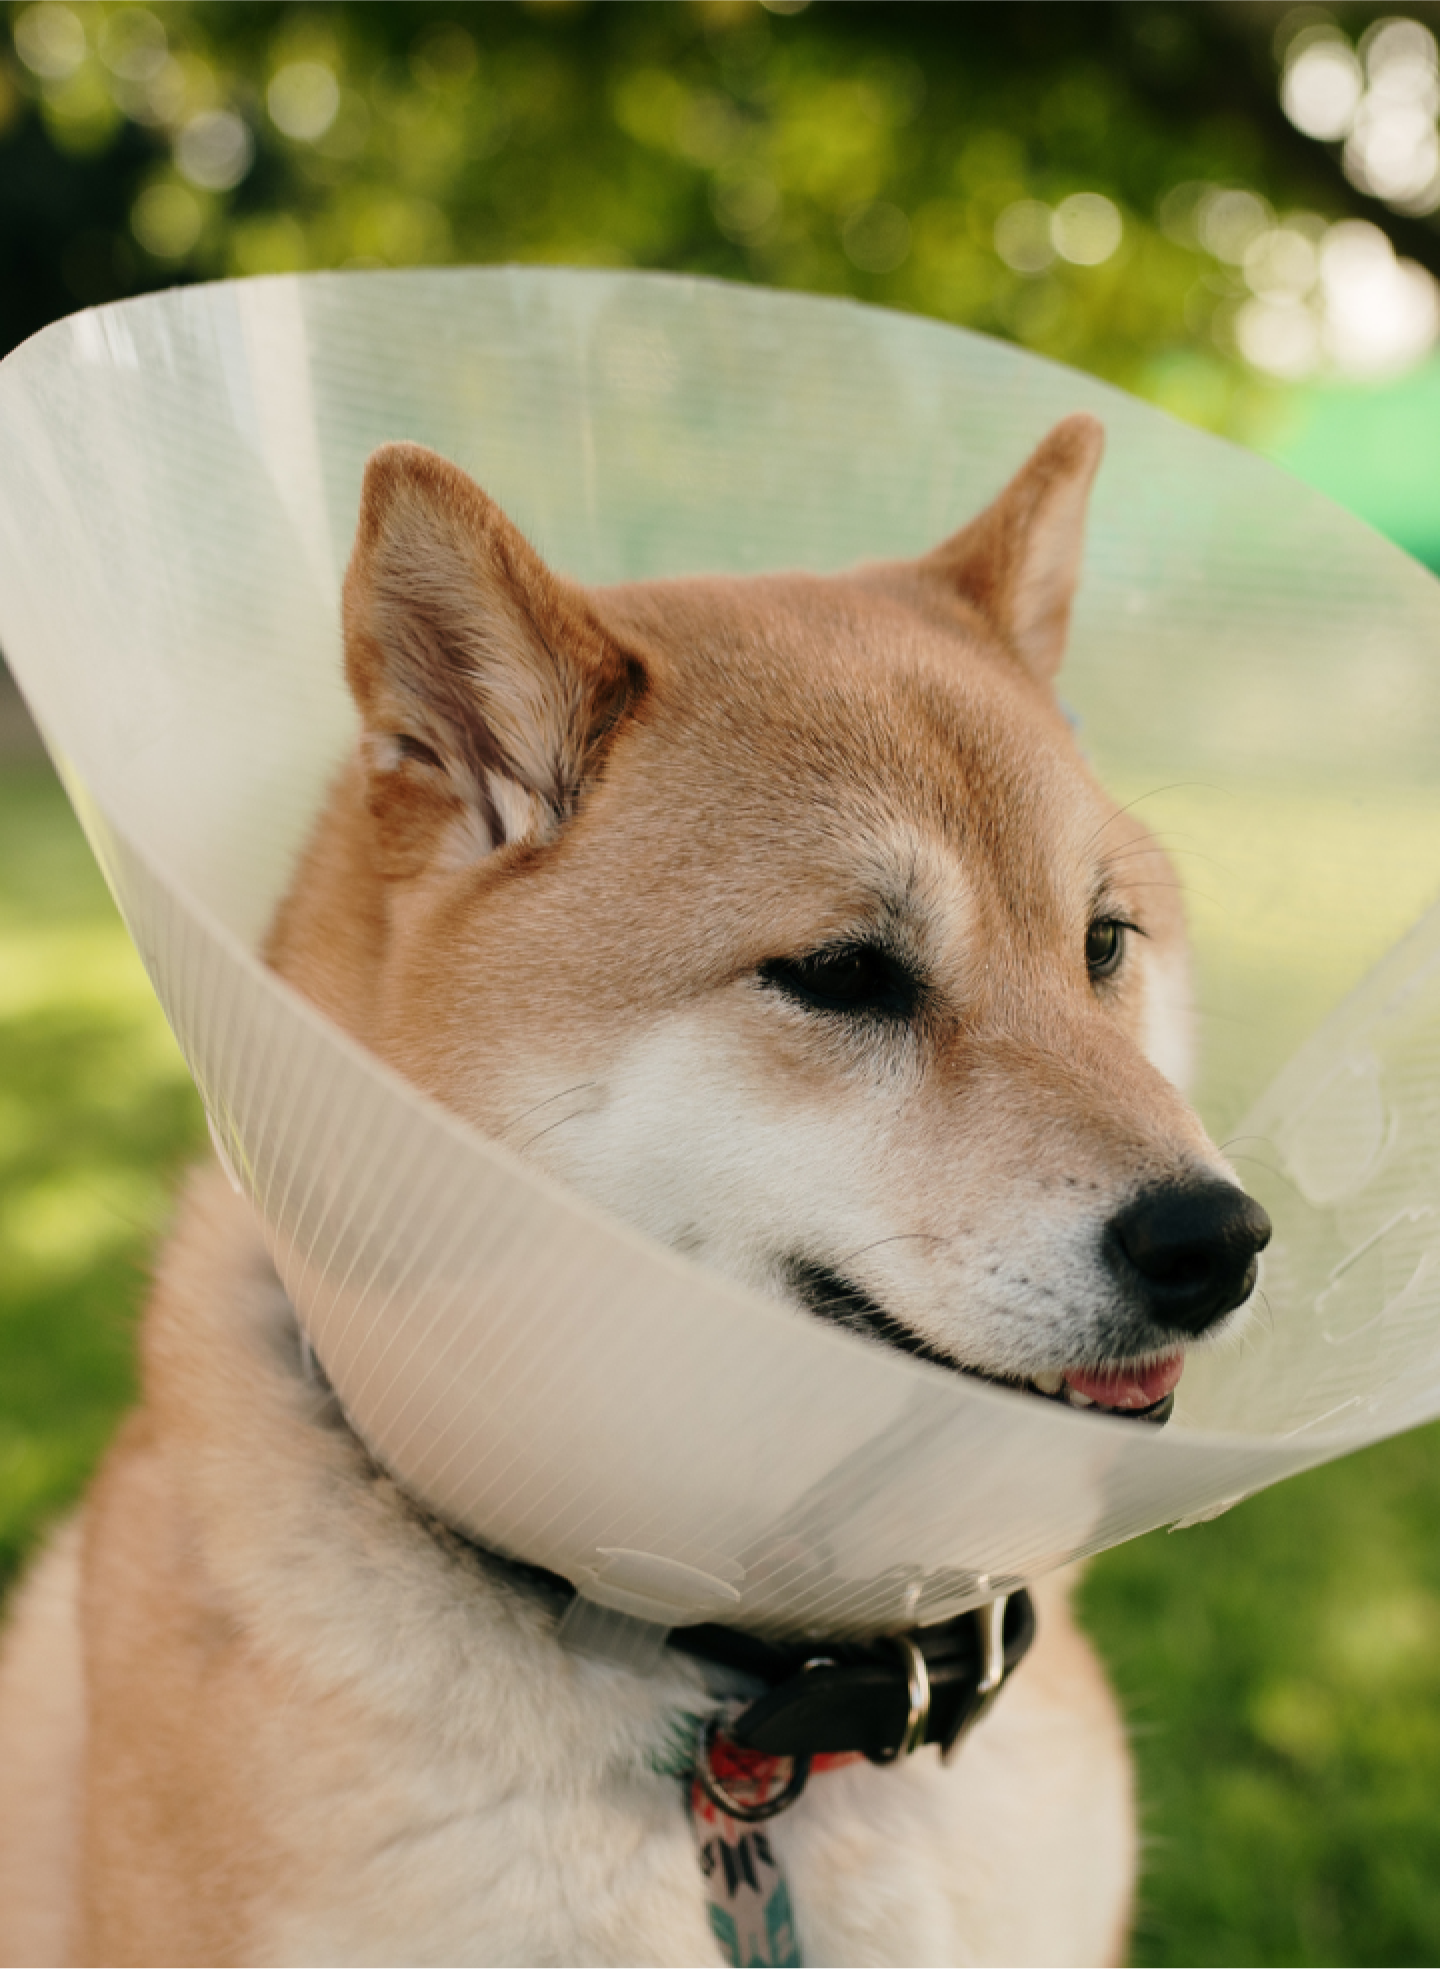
(1281, 1672)
(97, 1114)
(1281, 1667)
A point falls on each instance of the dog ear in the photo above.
(486, 685)
(1018, 562)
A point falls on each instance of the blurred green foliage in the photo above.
(1281, 1672)
(867, 148)
(97, 1117)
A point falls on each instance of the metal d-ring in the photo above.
(917, 1688)
(719, 1796)
(990, 1619)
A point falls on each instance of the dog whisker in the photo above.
(549, 1129)
(1271, 1164)
(1232, 1141)
(1175, 786)
(580, 1087)
(1148, 847)
(901, 1237)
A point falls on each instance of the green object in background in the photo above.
(1374, 449)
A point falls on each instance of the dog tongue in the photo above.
(1128, 1387)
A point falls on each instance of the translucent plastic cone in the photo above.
(178, 488)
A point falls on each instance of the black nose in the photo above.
(1189, 1251)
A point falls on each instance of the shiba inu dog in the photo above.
(782, 917)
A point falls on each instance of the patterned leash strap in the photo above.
(733, 1795)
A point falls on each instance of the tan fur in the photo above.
(316, 1727)
(42, 1744)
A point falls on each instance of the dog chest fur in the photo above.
(325, 1731)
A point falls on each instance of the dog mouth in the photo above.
(1133, 1391)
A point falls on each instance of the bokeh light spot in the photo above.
(1281, 262)
(1322, 84)
(303, 100)
(133, 44)
(1401, 61)
(167, 220)
(1278, 334)
(1023, 238)
(1394, 154)
(215, 150)
(1227, 220)
(50, 40)
(1382, 99)
(1382, 315)
(1086, 228)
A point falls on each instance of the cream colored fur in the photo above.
(323, 1731)
(254, 1705)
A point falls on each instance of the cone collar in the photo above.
(176, 504)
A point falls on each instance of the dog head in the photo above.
(782, 917)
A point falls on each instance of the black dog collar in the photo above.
(882, 1698)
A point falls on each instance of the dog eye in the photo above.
(416, 749)
(1105, 946)
(855, 979)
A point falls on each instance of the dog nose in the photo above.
(1190, 1250)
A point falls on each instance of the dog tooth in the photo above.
(1077, 1400)
(1048, 1384)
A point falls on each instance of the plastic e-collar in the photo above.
(177, 499)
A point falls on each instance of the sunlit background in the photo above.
(1230, 209)
(716, 138)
